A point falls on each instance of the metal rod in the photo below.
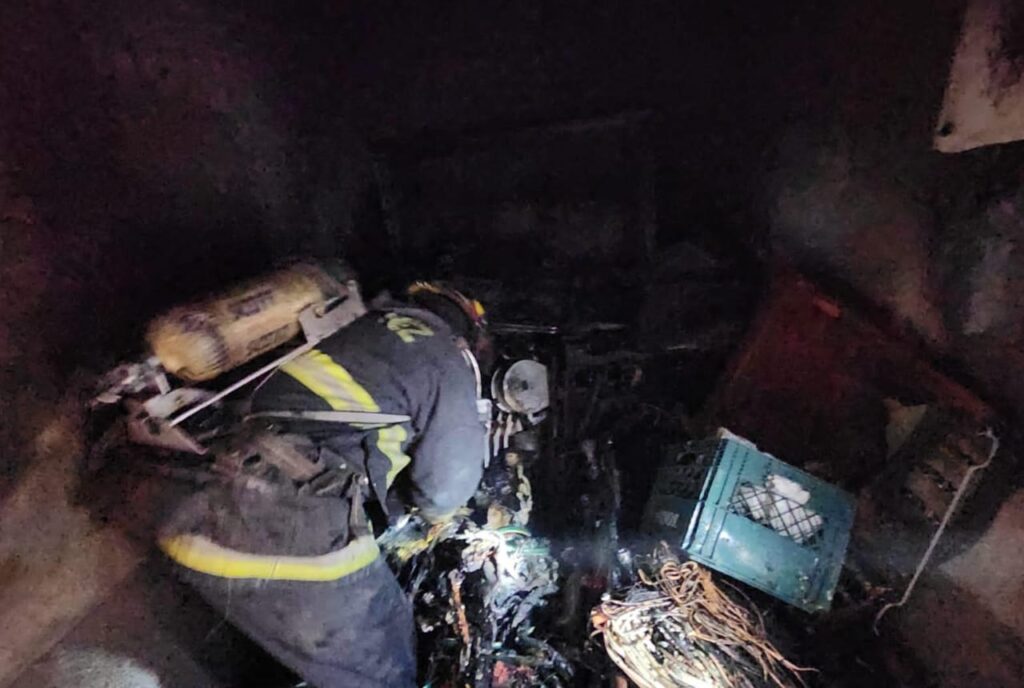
(942, 528)
(522, 328)
(273, 365)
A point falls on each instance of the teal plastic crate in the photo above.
(746, 514)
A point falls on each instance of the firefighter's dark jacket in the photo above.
(400, 361)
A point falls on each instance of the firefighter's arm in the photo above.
(448, 461)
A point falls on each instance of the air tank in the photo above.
(202, 340)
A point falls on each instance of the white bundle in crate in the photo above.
(780, 504)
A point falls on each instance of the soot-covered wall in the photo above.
(149, 153)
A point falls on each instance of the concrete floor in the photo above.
(73, 578)
(993, 570)
(162, 626)
(971, 626)
(961, 624)
(957, 640)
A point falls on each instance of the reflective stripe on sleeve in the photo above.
(201, 554)
(389, 442)
(329, 380)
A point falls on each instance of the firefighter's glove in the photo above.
(416, 535)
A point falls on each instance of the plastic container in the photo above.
(746, 514)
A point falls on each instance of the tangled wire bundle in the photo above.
(680, 629)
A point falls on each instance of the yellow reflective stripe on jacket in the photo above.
(389, 442)
(331, 382)
(205, 556)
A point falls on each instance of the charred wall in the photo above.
(149, 153)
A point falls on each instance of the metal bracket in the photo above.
(144, 428)
(320, 322)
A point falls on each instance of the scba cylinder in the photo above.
(202, 340)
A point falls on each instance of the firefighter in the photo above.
(290, 557)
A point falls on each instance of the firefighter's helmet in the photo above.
(466, 316)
